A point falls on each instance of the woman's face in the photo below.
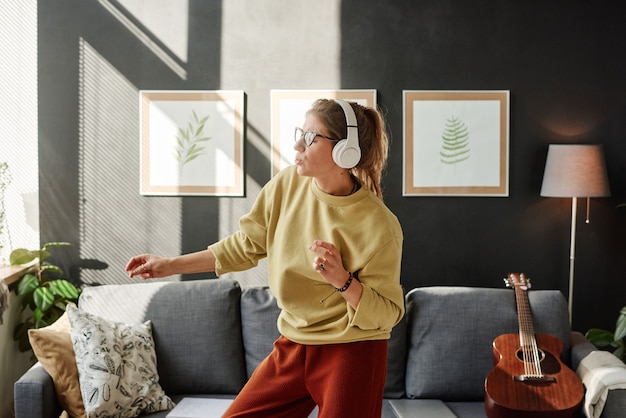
(316, 160)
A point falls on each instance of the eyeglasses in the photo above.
(308, 136)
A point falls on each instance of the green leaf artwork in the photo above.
(455, 142)
(189, 140)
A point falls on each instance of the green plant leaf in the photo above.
(600, 337)
(28, 283)
(61, 304)
(44, 298)
(64, 288)
(620, 325)
(55, 244)
(39, 317)
(21, 256)
(43, 254)
(51, 268)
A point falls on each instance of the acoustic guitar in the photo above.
(529, 379)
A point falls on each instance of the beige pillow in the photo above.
(53, 347)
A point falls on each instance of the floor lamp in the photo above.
(575, 171)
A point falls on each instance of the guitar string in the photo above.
(522, 331)
(530, 351)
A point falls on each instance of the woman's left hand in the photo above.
(328, 263)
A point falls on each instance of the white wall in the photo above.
(18, 147)
(18, 120)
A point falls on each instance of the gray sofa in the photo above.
(211, 334)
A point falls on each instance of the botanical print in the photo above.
(456, 143)
(189, 141)
(192, 143)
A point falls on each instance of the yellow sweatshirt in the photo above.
(288, 215)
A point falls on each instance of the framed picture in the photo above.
(288, 109)
(192, 143)
(456, 143)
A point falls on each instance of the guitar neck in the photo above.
(524, 317)
(528, 342)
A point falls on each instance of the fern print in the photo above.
(455, 146)
(189, 140)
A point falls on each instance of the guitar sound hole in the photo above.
(520, 354)
(549, 363)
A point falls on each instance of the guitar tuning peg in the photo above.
(526, 280)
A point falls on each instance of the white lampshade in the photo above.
(575, 171)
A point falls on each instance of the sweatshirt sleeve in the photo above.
(382, 301)
(243, 249)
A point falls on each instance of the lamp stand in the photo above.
(571, 259)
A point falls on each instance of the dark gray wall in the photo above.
(563, 61)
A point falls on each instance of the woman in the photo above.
(334, 252)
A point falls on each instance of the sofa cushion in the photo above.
(53, 347)
(117, 366)
(396, 361)
(452, 332)
(196, 328)
(259, 313)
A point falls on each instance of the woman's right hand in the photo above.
(147, 266)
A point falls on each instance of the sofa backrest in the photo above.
(259, 313)
(451, 332)
(196, 327)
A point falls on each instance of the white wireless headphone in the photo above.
(347, 152)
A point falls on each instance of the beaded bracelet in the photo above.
(347, 285)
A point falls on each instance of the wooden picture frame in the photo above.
(456, 143)
(192, 142)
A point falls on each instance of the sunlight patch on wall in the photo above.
(18, 123)
(162, 27)
(167, 20)
(263, 48)
(116, 222)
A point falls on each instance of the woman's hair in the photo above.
(373, 139)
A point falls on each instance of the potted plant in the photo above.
(43, 289)
(604, 339)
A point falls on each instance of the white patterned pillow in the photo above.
(117, 367)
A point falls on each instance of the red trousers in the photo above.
(344, 380)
